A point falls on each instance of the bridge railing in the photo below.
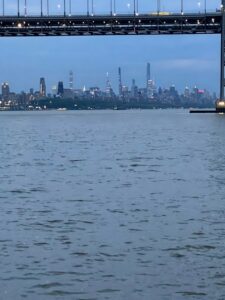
(107, 14)
(104, 7)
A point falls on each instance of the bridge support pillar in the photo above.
(220, 103)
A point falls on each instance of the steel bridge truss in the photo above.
(208, 23)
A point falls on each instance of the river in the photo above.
(112, 205)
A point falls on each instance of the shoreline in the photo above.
(191, 110)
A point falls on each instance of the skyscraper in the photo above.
(151, 89)
(133, 89)
(5, 91)
(71, 80)
(108, 89)
(54, 90)
(120, 82)
(60, 88)
(186, 92)
(42, 87)
(148, 74)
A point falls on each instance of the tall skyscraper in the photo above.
(71, 80)
(120, 82)
(148, 74)
(133, 88)
(60, 88)
(5, 91)
(42, 87)
(186, 92)
(54, 90)
(108, 89)
(151, 89)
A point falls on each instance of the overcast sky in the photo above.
(180, 60)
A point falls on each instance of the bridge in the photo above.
(141, 24)
(19, 22)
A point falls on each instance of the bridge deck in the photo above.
(142, 24)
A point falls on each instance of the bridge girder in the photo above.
(209, 23)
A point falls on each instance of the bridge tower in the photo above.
(220, 104)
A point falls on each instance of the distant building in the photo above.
(172, 90)
(186, 92)
(148, 74)
(60, 91)
(95, 91)
(142, 92)
(68, 93)
(134, 89)
(120, 82)
(125, 92)
(54, 90)
(108, 90)
(160, 91)
(151, 89)
(12, 96)
(42, 87)
(5, 91)
(195, 90)
(71, 80)
(78, 92)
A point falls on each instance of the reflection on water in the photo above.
(112, 205)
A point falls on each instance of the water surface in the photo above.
(112, 205)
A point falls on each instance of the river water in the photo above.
(112, 205)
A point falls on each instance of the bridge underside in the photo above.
(209, 23)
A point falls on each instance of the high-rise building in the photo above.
(54, 90)
(60, 88)
(5, 91)
(151, 89)
(125, 92)
(172, 90)
(71, 80)
(120, 82)
(108, 90)
(186, 92)
(148, 75)
(195, 90)
(134, 89)
(42, 87)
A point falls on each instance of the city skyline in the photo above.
(122, 83)
(171, 63)
(66, 97)
(65, 90)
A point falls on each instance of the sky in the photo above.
(182, 60)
